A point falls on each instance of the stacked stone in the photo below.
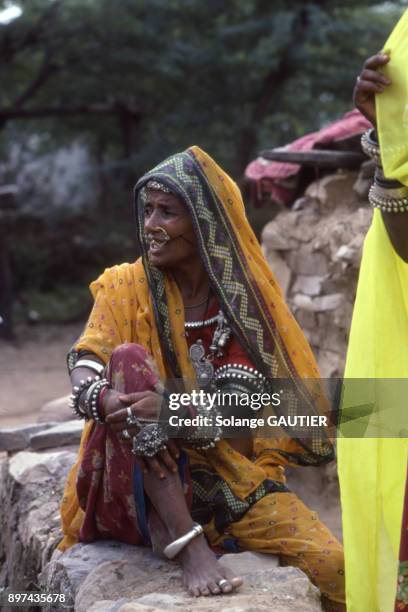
(315, 251)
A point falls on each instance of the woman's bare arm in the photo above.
(372, 82)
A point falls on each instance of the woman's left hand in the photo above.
(142, 405)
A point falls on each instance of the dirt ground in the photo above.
(33, 372)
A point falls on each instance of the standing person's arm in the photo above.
(369, 83)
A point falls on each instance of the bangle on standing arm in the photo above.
(370, 146)
(388, 195)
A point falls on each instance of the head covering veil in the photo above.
(239, 275)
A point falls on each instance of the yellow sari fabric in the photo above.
(123, 313)
(391, 106)
(372, 470)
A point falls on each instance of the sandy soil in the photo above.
(33, 371)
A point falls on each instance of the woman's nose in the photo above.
(150, 221)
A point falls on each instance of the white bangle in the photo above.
(173, 549)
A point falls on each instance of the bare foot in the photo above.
(202, 572)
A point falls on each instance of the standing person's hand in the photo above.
(370, 82)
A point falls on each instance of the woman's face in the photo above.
(166, 211)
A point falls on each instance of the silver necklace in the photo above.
(201, 362)
(199, 324)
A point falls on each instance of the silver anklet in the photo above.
(173, 549)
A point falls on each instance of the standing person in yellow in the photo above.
(372, 471)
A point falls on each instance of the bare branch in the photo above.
(6, 114)
(44, 73)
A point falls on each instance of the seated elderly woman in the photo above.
(200, 306)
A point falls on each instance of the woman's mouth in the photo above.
(155, 244)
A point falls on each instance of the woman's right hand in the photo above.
(116, 402)
(110, 403)
(370, 82)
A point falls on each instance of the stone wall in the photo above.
(315, 251)
(109, 576)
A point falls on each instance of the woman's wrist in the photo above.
(92, 399)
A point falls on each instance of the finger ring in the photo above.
(126, 434)
(222, 582)
(129, 412)
(133, 420)
(358, 78)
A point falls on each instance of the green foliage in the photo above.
(232, 77)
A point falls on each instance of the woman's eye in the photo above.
(147, 211)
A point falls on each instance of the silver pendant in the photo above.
(203, 367)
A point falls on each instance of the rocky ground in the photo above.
(109, 576)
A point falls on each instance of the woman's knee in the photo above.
(130, 351)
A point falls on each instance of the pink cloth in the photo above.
(271, 176)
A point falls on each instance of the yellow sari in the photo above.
(134, 303)
(372, 471)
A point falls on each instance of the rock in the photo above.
(63, 434)
(31, 486)
(306, 319)
(304, 302)
(345, 253)
(18, 438)
(367, 169)
(318, 304)
(280, 269)
(330, 363)
(309, 285)
(164, 601)
(362, 186)
(273, 240)
(57, 410)
(333, 190)
(249, 561)
(329, 302)
(134, 579)
(304, 261)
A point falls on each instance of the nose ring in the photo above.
(165, 237)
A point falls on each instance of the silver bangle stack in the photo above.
(74, 398)
(92, 399)
(90, 364)
(251, 379)
(389, 200)
(370, 146)
(387, 195)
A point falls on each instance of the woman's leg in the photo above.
(201, 570)
(281, 524)
(131, 369)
